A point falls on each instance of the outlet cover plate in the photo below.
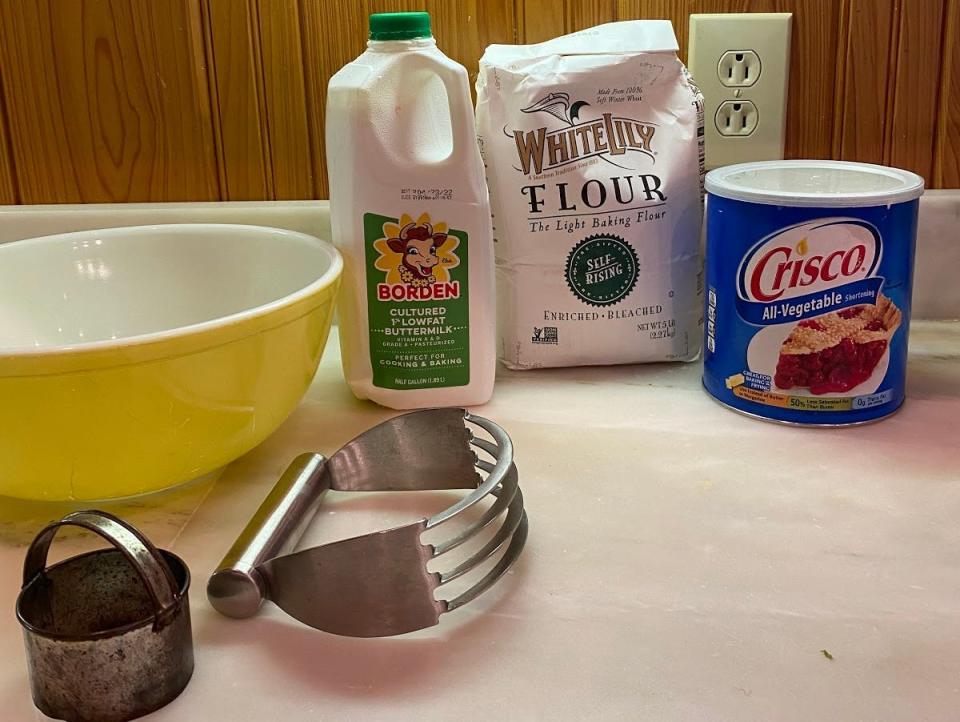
(768, 36)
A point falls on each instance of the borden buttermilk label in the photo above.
(417, 302)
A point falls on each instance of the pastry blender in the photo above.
(378, 584)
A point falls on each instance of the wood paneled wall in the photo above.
(160, 100)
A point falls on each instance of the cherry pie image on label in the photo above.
(808, 307)
(839, 351)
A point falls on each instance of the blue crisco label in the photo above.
(807, 309)
(808, 269)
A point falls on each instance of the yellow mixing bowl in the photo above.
(134, 359)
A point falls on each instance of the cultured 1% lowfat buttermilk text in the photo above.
(809, 270)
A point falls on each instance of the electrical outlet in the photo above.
(739, 68)
(736, 117)
(740, 61)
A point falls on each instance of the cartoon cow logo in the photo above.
(416, 252)
(418, 244)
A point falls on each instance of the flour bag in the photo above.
(593, 146)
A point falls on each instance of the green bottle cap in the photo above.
(400, 26)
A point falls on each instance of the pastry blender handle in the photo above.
(236, 588)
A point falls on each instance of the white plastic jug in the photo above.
(411, 216)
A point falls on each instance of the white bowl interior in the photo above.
(91, 286)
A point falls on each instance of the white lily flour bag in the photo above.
(593, 144)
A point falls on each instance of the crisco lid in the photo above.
(399, 26)
(827, 183)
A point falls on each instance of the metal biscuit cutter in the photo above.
(107, 633)
(378, 584)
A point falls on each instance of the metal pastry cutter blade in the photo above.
(378, 584)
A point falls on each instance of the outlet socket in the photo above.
(739, 68)
(742, 59)
(736, 118)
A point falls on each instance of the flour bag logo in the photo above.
(609, 137)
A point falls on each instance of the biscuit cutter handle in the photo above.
(237, 588)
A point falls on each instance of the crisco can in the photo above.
(809, 268)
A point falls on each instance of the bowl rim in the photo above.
(302, 295)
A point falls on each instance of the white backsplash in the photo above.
(936, 288)
(936, 293)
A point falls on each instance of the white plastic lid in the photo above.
(828, 183)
